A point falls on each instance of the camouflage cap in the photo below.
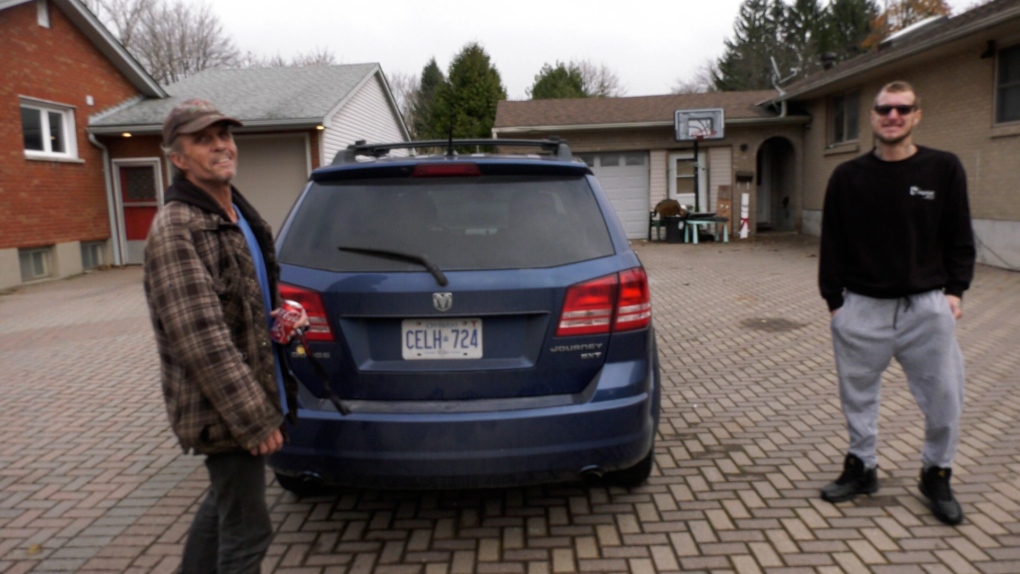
(190, 116)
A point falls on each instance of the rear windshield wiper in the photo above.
(422, 260)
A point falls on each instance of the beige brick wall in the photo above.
(957, 94)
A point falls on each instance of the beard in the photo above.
(893, 141)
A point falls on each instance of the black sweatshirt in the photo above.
(896, 228)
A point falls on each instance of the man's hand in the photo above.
(955, 305)
(302, 322)
(273, 443)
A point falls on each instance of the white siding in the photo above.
(367, 115)
(658, 184)
(720, 172)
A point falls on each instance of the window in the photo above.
(634, 159)
(35, 263)
(91, 254)
(843, 115)
(1007, 108)
(48, 132)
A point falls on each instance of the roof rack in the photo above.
(554, 145)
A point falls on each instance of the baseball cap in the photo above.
(190, 116)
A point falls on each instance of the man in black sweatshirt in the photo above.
(897, 253)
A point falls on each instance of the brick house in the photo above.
(81, 169)
(632, 145)
(780, 148)
(967, 71)
(295, 120)
(60, 67)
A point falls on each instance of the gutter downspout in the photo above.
(111, 203)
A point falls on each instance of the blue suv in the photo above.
(477, 320)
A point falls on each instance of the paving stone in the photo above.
(751, 429)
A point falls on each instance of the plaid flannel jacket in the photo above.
(216, 356)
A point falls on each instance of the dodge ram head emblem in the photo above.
(442, 301)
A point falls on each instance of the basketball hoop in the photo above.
(696, 126)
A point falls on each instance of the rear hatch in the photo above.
(448, 281)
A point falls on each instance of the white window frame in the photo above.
(1014, 52)
(67, 127)
(27, 258)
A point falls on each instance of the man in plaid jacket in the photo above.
(210, 280)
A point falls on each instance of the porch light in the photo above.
(320, 127)
(125, 135)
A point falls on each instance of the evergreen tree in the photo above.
(746, 62)
(465, 105)
(425, 101)
(847, 24)
(804, 38)
(561, 81)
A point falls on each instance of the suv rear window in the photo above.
(460, 223)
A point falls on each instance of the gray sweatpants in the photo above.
(918, 331)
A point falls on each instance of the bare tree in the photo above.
(599, 81)
(405, 90)
(703, 80)
(170, 39)
(317, 57)
(123, 17)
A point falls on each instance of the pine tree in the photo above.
(465, 105)
(425, 100)
(560, 81)
(847, 24)
(746, 63)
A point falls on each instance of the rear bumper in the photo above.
(612, 430)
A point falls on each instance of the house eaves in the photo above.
(741, 122)
(250, 125)
(104, 41)
(910, 48)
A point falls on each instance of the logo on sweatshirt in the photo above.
(922, 193)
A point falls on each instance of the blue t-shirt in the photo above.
(263, 275)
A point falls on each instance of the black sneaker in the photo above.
(934, 486)
(855, 480)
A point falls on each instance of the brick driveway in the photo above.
(92, 481)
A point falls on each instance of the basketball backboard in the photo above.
(699, 125)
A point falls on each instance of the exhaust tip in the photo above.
(592, 475)
(311, 479)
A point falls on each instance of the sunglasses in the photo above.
(901, 110)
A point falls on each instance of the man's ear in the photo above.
(177, 160)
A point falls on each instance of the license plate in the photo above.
(441, 338)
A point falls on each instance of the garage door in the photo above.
(271, 172)
(624, 178)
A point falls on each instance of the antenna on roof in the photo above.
(777, 78)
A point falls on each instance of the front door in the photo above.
(139, 194)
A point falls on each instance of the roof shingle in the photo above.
(641, 109)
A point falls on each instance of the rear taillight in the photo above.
(588, 307)
(634, 308)
(620, 301)
(318, 328)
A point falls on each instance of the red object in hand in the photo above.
(285, 325)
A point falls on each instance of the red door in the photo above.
(139, 202)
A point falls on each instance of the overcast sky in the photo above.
(648, 44)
